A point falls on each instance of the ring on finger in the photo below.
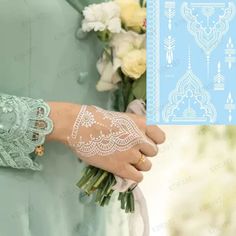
(141, 160)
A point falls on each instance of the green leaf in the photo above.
(139, 88)
(127, 90)
(131, 98)
(119, 102)
(104, 36)
(143, 3)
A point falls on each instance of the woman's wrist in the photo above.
(62, 115)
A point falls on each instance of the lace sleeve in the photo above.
(24, 123)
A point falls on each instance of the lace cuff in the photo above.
(24, 123)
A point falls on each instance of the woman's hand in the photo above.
(111, 141)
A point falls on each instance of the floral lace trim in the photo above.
(24, 123)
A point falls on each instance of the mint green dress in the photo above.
(42, 60)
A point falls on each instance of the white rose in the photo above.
(127, 41)
(129, 53)
(100, 17)
(109, 75)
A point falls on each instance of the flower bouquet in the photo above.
(121, 27)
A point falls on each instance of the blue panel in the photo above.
(191, 48)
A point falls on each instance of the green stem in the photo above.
(90, 187)
(100, 180)
(83, 181)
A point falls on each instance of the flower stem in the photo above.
(101, 183)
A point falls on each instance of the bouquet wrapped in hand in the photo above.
(121, 27)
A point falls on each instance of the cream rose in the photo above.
(133, 15)
(134, 63)
(124, 3)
